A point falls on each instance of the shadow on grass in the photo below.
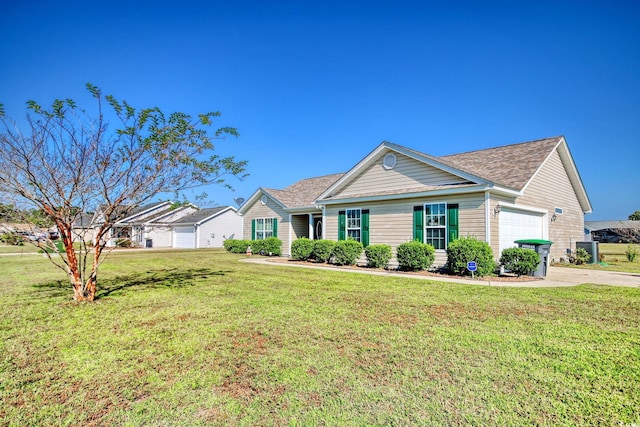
(167, 278)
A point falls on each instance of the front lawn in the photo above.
(198, 338)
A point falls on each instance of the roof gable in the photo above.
(510, 166)
(203, 215)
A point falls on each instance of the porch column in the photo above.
(311, 226)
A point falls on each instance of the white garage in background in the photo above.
(517, 224)
(207, 228)
(184, 237)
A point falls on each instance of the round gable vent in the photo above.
(389, 161)
(263, 200)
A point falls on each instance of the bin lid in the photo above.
(534, 242)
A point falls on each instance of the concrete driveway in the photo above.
(556, 276)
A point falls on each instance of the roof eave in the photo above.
(410, 195)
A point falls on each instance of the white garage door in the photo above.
(184, 237)
(517, 225)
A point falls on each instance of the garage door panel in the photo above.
(184, 237)
(516, 225)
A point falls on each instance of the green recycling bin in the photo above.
(542, 247)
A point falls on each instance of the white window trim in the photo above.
(346, 223)
(445, 226)
(264, 230)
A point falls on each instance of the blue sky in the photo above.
(313, 87)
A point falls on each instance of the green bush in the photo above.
(124, 243)
(520, 261)
(12, 239)
(582, 256)
(632, 252)
(236, 246)
(271, 246)
(322, 250)
(378, 256)
(414, 256)
(301, 249)
(346, 252)
(465, 249)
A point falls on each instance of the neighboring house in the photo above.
(207, 228)
(82, 228)
(396, 194)
(623, 231)
(165, 225)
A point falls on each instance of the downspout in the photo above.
(197, 235)
(290, 227)
(487, 217)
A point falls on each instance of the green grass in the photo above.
(615, 259)
(198, 338)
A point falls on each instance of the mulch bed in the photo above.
(434, 274)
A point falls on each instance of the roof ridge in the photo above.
(503, 146)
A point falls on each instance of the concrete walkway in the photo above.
(556, 276)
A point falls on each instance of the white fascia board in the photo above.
(304, 209)
(523, 208)
(437, 164)
(435, 193)
(346, 178)
(255, 197)
(350, 173)
(572, 172)
(131, 219)
(210, 217)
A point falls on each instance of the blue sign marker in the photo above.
(472, 266)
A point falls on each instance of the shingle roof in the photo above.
(612, 225)
(199, 215)
(304, 192)
(510, 165)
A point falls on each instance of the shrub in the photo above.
(378, 256)
(466, 249)
(632, 252)
(236, 246)
(582, 256)
(413, 256)
(12, 239)
(124, 243)
(346, 252)
(271, 246)
(520, 261)
(322, 250)
(301, 249)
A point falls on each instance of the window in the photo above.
(353, 224)
(435, 224)
(263, 228)
(435, 220)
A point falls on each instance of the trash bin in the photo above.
(542, 247)
(149, 243)
(592, 250)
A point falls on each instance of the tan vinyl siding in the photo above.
(270, 210)
(549, 189)
(494, 222)
(391, 222)
(300, 226)
(408, 173)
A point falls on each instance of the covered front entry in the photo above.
(307, 225)
(518, 224)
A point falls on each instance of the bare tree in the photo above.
(68, 164)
